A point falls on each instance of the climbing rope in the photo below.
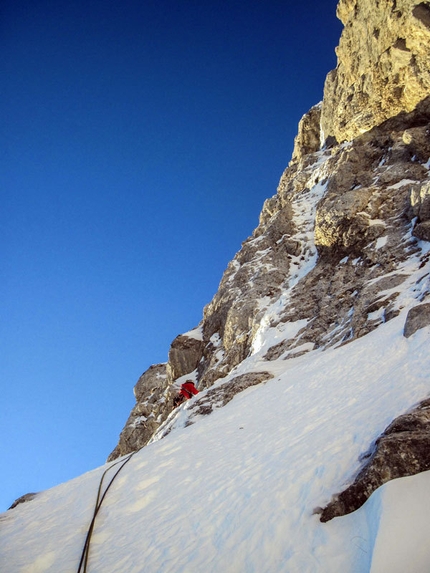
(100, 498)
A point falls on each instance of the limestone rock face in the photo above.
(341, 220)
(255, 275)
(154, 379)
(383, 62)
(308, 139)
(402, 450)
(420, 203)
(153, 404)
(184, 355)
(422, 231)
(155, 391)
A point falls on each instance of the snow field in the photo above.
(236, 491)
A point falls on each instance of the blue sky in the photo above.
(139, 140)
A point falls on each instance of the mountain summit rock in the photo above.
(383, 62)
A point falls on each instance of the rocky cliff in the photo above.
(383, 63)
(341, 246)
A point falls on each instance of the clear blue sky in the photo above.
(139, 140)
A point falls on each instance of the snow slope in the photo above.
(236, 491)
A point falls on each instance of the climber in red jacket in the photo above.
(187, 391)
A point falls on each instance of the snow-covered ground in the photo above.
(236, 491)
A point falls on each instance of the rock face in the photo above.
(402, 450)
(184, 355)
(308, 139)
(151, 409)
(383, 63)
(155, 391)
(23, 499)
(418, 317)
(342, 238)
(420, 202)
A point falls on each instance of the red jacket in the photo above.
(188, 390)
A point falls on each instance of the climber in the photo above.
(185, 393)
(188, 389)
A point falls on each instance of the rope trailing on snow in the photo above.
(100, 498)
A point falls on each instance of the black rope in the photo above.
(86, 550)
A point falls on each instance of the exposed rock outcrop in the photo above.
(383, 63)
(153, 404)
(155, 391)
(418, 317)
(184, 355)
(23, 499)
(308, 139)
(420, 203)
(402, 450)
